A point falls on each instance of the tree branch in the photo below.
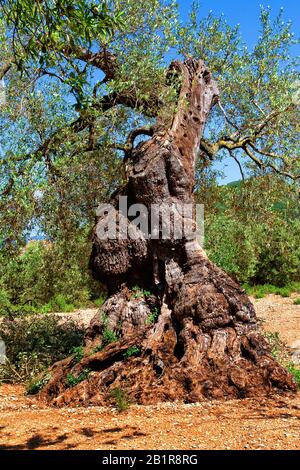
(238, 163)
(5, 68)
(135, 133)
(103, 60)
(261, 164)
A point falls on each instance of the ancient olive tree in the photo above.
(174, 325)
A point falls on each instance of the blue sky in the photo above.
(247, 15)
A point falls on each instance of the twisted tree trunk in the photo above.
(189, 331)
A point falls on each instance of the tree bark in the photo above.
(205, 341)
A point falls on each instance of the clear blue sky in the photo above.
(246, 13)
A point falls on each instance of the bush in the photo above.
(46, 277)
(252, 230)
(36, 385)
(232, 246)
(35, 342)
(120, 398)
(279, 259)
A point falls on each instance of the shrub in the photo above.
(47, 276)
(275, 343)
(279, 259)
(232, 245)
(60, 304)
(36, 385)
(260, 291)
(97, 348)
(120, 399)
(297, 301)
(34, 342)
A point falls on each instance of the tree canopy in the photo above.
(79, 76)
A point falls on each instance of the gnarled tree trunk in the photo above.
(205, 341)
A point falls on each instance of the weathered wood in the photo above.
(205, 342)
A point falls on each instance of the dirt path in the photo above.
(246, 424)
(274, 423)
(279, 314)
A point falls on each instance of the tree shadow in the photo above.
(36, 441)
(39, 441)
(131, 432)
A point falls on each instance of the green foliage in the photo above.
(260, 291)
(108, 336)
(297, 301)
(139, 293)
(252, 232)
(72, 380)
(132, 351)
(97, 348)
(58, 304)
(99, 301)
(120, 398)
(275, 343)
(53, 173)
(231, 244)
(45, 278)
(78, 353)
(36, 385)
(153, 316)
(35, 342)
(24, 368)
(295, 372)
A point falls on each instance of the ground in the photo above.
(274, 423)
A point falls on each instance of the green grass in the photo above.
(260, 291)
(297, 301)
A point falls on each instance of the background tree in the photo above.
(205, 340)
